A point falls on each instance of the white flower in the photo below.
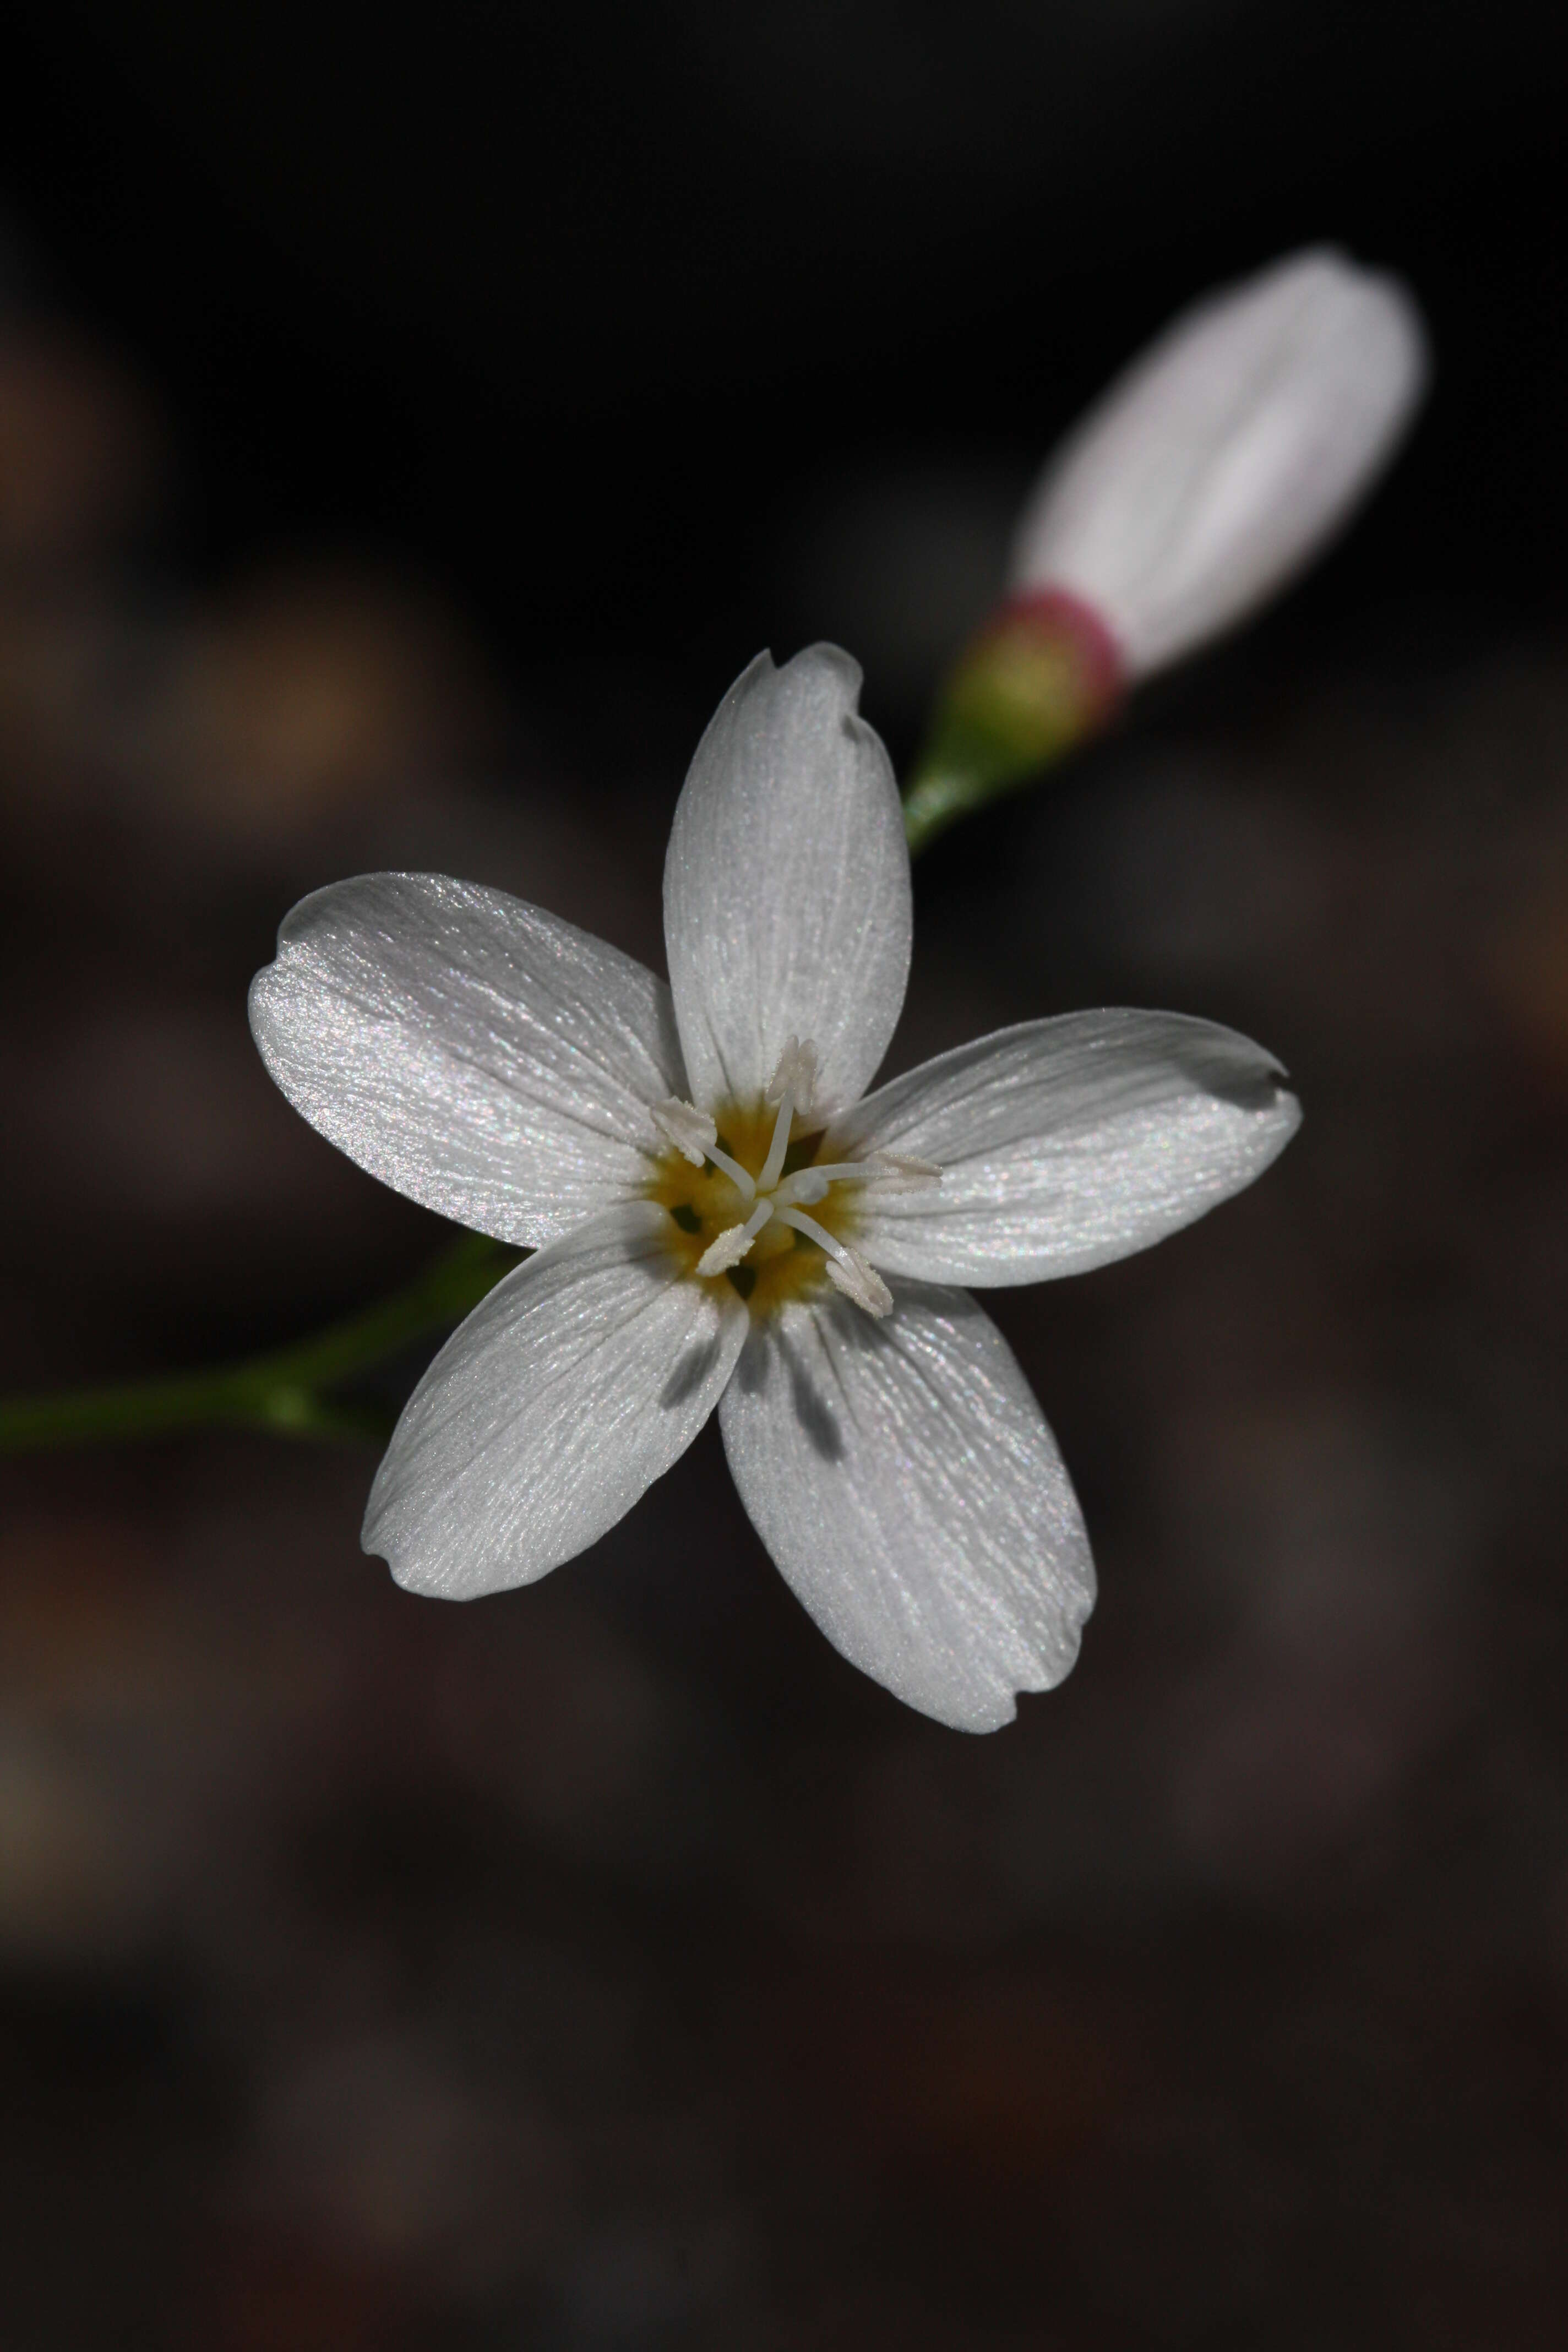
(1226, 455)
(722, 1215)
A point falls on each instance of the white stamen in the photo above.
(731, 1245)
(796, 1073)
(846, 1267)
(768, 1175)
(695, 1138)
(741, 1178)
(791, 1088)
(889, 1171)
(690, 1130)
(897, 1171)
(860, 1283)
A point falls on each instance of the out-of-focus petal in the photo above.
(576, 1384)
(786, 886)
(1066, 1143)
(903, 1477)
(1225, 457)
(471, 1050)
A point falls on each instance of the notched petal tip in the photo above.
(805, 673)
(787, 899)
(825, 655)
(908, 1489)
(575, 1383)
(469, 1049)
(1262, 1090)
(261, 1009)
(1066, 1143)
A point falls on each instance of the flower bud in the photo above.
(1215, 469)
(1226, 456)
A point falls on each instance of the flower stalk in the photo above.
(1041, 676)
(286, 1390)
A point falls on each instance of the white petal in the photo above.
(786, 888)
(1226, 456)
(904, 1480)
(568, 1390)
(1064, 1144)
(471, 1050)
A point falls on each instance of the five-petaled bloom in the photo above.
(722, 1215)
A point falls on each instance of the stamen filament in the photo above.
(780, 1144)
(846, 1267)
(823, 1173)
(695, 1138)
(791, 1086)
(811, 1229)
(887, 1170)
(741, 1178)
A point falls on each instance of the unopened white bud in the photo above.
(1219, 464)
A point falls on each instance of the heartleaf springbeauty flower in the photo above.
(724, 1217)
(1208, 475)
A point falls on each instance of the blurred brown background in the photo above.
(406, 431)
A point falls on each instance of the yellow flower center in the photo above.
(753, 1203)
(704, 1202)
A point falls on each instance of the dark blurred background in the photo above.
(408, 427)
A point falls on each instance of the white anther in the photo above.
(791, 1087)
(695, 1138)
(846, 1267)
(895, 1171)
(860, 1283)
(690, 1130)
(731, 1245)
(796, 1074)
(729, 1250)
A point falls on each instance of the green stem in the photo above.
(280, 1389)
(1040, 676)
(980, 750)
